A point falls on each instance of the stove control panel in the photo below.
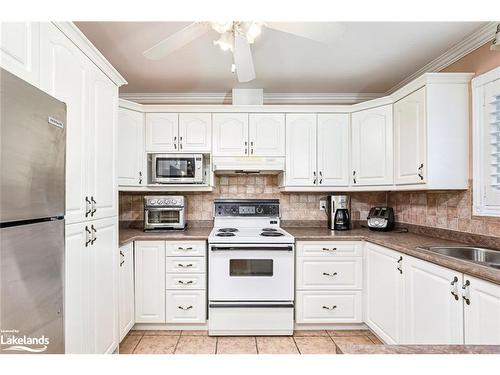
(247, 207)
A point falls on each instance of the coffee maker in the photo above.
(339, 212)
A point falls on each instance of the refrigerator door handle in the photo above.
(88, 237)
(94, 237)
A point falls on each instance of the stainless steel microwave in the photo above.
(176, 168)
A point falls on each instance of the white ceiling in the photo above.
(367, 58)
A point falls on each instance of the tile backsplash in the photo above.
(440, 209)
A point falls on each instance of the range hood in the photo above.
(248, 164)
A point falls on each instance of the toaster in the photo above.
(381, 218)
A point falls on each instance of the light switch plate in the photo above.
(322, 204)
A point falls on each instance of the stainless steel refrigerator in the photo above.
(32, 206)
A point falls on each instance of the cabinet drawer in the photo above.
(329, 248)
(328, 307)
(339, 273)
(185, 306)
(186, 281)
(186, 248)
(186, 265)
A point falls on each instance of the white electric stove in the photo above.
(251, 270)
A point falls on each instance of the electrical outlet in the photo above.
(322, 204)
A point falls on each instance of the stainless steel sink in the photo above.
(474, 254)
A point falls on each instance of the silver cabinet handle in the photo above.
(330, 274)
(327, 249)
(140, 177)
(246, 148)
(123, 258)
(454, 289)
(184, 283)
(354, 176)
(88, 204)
(93, 206)
(315, 179)
(465, 292)
(421, 171)
(175, 142)
(184, 265)
(400, 260)
(251, 145)
(94, 232)
(180, 142)
(185, 308)
(330, 308)
(88, 238)
(184, 248)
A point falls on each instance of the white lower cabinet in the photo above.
(149, 281)
(384, 293)
(186, 306)
(126, 312)
(481, 311)
(329, 282)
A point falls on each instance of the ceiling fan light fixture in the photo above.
(495, 46)
(225, 42)
(222, 27)
(252, 30)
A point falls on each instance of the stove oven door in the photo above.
(251, 272)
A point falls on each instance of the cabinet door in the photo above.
(301, 150)
(384, 293)
(162, 132)
(65, 75)
(20, 50)
(372, 146)
(267, 134)
(184, 306)
(230, 134)
(149, 281)
(409, 139)
(433, 315)
(195, 132)
(104, 286)
(77, 290)
(130, 147)
(126, 270)
(333, 149)
(482, 313)
(103, 110)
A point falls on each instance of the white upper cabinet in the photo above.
(409, 139)
(384, 293)
(195, 132)
(20, 49)
(230, 134)
(372, 156)
(433, 307)
(482, 311)
(333, 149)
(267, 134)
(162, 132)
(301, 150)
(65, 74)
(130, 145)
(102, 120)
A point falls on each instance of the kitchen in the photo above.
(250, 221)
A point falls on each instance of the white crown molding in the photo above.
(473, 41)
(269, 98)
(80, 40)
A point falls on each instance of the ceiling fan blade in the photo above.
(243, 59)
(177, 40)
(321, 32)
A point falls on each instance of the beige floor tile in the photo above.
(236, 345)
(349, 332)
(129, 343)
(312, 333)
(196, 345)
(276, 345)
(315, 345)
(136, 332)
(161, 333)
(356, 340)
(194, 333)
(156, 345)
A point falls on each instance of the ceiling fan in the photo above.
(237, 36)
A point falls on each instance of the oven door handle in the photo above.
(258, 305)
(251, 248)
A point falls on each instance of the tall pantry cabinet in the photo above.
(59, 60)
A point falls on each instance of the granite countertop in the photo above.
(405, 243)
(417, 349)
(132, 234)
